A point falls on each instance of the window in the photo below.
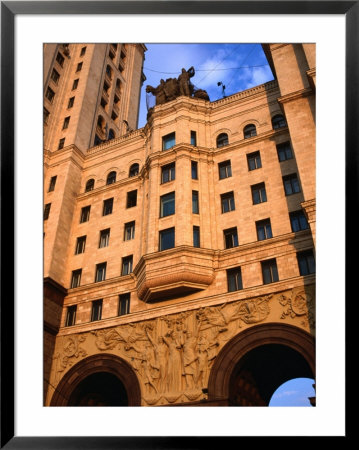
(61, 144)
(131, 199)
(254, 161)
(284, 151)
(234, 279)
(306, 262)
(80, 245)
(104, 238)
(264, 229)
(269, 271)
(222, 140)
(194, 170)
(195, 202)
(196, 237)
(291, 184)
(230, 237)
(83, 51)
(71, 102)
(193, 138)
(103, 103)
(47, 211)
(124, 304)
(249, 131)
(96, 312)
(71, 316)
(168, 172)
(129, 231)
(46, 115)
(114, 116)
(278, 121)
(107, 207)
(50, 94)
(298, 221)
(97, 140)
(52, 183)
(60, 59)
(227, 202)
(55, 76)
(76, 278)
(90, 185)
(79, 67)
(106, 87)
(167, 239)
(127, 263)
(134, 169)
(100, 272)
(85, 214)
(167, 204)
(109, 72)
(111, 178)
(168, 141)
(75, 84)
(259, 193)
(66, 123)
(225, 169)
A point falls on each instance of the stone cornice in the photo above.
(295, 95)
(110, 187)
(117, 142)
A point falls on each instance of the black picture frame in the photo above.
(9, 9)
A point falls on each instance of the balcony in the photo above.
(176, 272)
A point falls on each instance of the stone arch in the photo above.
(282, 340)
(100, 363)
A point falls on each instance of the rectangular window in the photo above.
(269, 271)
(254, 161)
(234, 279)
(52, 183)
(196, 237)
(80, 245)
(306, 262)
(195, 202)
(79, 67)
(127, 263)
(227, 202)
(96, 312)
(55, 76)
(83, 51)
(230, 237)
(100, 272)
(71, 316)
(168, 141)
(193, 138)
(107, 207)
(124, 304)
(168, 172)
(61, 144)
(75, 84)
(104, 238)
(71, 102)
(129, 231)
(47, 211)
(259, 193)
(60, 59)
(225, 169)
(103, 103)
(46, 115)
(291, 184)
(298, 221)
(66, 123)
(131, 199)
(85, 214)
(194, 170)
(50, 94)
(76, 278)
(114, 116)
(167, 239)
(264, 229)
(284, 151)
(167, 204)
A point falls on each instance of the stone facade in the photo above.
(181, 307)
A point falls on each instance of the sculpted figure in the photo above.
(190, 357)
(158, 92)
(161, 355)
(174, 373)
(184, 81)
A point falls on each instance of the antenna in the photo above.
(223, 88)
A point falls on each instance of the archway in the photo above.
(256, 361)
(99, 380)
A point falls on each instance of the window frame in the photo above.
(161, 235)
(271, 265)
(55, 76)
(124, 299)
(233, 233)
(306, 258)
(127, 262)
(50, 94)
(196, 236)
(291, 178)
(91, 187)
(85, 210)
(168, 138)
(234, 279)
(107, 208)
(225, 166)
(167, 201)
(130, 200)
(100, 272)
(194, 170)
(170, 170)
(222, 140)
(80, 245)
(52, 183)
(277, 122)
(104, 240)
(129, 229)
(266, 225)
(195, 202)
(259, 189)
(61, 144)
(66, 123)
(71, 102)
(134, 170)
(282, 149)
(227, 198)
(79, 67)
(47, 209)
(70, 319)
(76, 278)
(193, 138)
(254, 157)
(249, 131)
(111, 178)
(75, 84)
(97, 306)
(298, 215)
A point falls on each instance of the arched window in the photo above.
(249, 131)
(90, 185)
(278, 121)
(111, 134)
(134, 169)
(222, 140)
(111, 178)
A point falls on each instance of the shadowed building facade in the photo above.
(179, 258)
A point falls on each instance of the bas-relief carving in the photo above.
(299, 304)
(173, 355)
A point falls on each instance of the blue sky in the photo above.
(237, 66)
(294, 393)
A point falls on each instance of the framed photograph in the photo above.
(167, 252)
